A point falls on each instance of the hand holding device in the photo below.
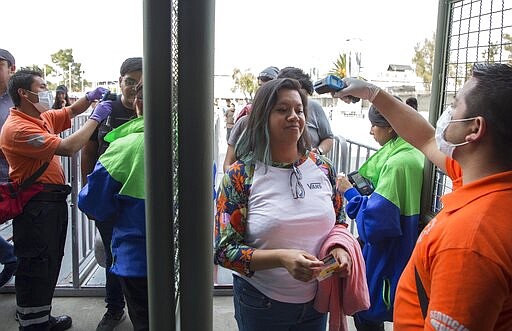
(332, 84)
(362, 185)
(95, 94)
(102, 111)
(329, 267)
(109, 96)
(357, 88)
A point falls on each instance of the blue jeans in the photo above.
(255, 312)
(6, 252)
(114, 293)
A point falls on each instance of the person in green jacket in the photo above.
(387, 219)
(115, 193)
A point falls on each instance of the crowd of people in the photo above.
(280, 213)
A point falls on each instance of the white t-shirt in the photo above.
(277, 220)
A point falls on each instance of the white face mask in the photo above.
(45, 101)
(442, 124)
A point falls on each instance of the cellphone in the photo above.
(362, 185)
(331, 83)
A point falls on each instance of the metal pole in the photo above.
(195, 93)
(436, 98)
(70, 85)
(74, 222)
(158, 163)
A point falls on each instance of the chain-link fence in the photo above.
(475, 31)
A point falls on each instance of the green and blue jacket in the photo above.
(387, 220)
(115, 193)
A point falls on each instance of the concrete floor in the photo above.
(87, 312)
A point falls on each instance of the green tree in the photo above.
(490, 53)
(507, 45)
(424, 60)
(244, 82)
(65, 61)
(340, 66)
(46, 70)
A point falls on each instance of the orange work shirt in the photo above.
(28, 142)
(464, 259)
(454, 171)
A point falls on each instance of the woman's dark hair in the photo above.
(413, 102)
(56, 103)
(254, 144)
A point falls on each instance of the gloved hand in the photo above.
(96, 94)
(357, 88)
(101, 111)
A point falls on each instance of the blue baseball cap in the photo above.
(269, 73)
(7, 56)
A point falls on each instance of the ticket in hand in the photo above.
(330, 265)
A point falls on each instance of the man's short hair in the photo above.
(296, 73)
(491, 98)
(21, 79)
(130, 65)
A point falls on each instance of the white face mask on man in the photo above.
(45, 100)
(442, 124)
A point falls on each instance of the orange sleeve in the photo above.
(59, 119)
(454, 171)
(37, 144)
(461, 280)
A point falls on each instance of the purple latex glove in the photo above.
(101, 112)
(96, 94)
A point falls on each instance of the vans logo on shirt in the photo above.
(315, 186)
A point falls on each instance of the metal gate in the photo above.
(468, 31)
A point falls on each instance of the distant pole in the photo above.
(44, 72)
(82, 79)
(70, 86)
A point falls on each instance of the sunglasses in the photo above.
(296, 187)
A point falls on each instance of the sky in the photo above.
(249, 34)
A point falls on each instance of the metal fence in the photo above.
(469, 31)
(348, 155)
(82, 229)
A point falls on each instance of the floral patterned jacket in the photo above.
(231, 218)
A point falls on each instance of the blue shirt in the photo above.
(5, 105)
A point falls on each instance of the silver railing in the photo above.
(82, 229)
(348, 155)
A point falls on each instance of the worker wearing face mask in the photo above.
(30, 140)
(459, 274)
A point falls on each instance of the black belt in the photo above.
(53, 192)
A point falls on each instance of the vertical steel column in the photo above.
(158, 161)
(75, 262)
(436, 98)
(195, 94)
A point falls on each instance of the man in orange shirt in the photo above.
(29, 138)
(460, 274)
